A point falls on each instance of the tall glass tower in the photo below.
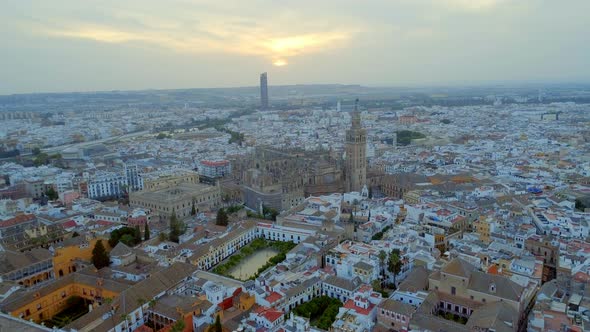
(263, 91)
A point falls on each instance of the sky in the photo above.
(92, 45)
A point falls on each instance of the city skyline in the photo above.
(416, 165)
(70, 47)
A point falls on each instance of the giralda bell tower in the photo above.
(356, 157)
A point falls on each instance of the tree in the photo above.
(581, 203)
(222, 218)
(394, 264)
(382, 258)
(217, 325)
(193, 209)
(41, 159)
(270, 213)
(128, 240)
(162, 237)
(108, 300)
(51, 194)
(137, 234)
(100, 257)
(118, 234)
(178, 326)
(146, 232)
(36, 151)
(176, 228)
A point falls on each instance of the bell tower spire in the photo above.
(356, 158)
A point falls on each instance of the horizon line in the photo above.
(462, 84)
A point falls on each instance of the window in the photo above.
(453, 290)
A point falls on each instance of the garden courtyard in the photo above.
(250, 265)
(254, 258)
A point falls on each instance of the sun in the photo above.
(280, 62)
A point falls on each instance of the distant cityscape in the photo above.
(297, 208)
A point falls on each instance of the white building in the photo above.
(214, 169)
(107, 184)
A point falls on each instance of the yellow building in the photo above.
(70, 250)
(157, 181)
(43, 303)
(412, 196)
(440, 242)
(483, 229)
(178, 199)
(246, 301)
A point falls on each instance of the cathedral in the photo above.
(281, 179)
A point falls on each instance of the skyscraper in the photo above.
(356, 158)
(263, 91)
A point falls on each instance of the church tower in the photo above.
(356, 158)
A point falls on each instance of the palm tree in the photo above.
(382, 258)
(140, 303)
(151, 305)
(394, 264)
(125, 317)
(108, 300)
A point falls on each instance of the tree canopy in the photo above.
(321, 311)
(394, 263)
(137, 234)
(177, 228)
(405, 137)
(146, 232)
(222, 219)
(217, 325)
(100, 257)
(51, 194)
(127, 235)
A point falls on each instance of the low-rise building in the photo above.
(26, 268)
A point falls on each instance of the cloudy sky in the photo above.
(87, 45)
